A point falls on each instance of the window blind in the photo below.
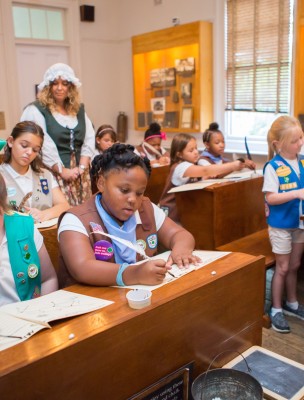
(258, 55)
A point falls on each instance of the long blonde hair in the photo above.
(71, 103)
(280, 131)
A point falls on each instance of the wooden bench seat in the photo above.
(255, 244)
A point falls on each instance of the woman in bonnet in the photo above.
(69, 139)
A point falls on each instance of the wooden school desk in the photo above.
(118, 351)
(156, 183)
(51, 243)
(222, 212)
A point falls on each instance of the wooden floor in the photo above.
(289, 345)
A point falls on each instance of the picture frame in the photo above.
(186, 90)
(185, 66)
(158, 105)
(162, 77)
(171, 119)
(186, 117)
(141, 120)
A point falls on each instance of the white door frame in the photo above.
(10, 62)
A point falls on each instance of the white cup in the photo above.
(139, 298)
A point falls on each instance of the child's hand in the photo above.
(250, 164)
(164, 160)
(152, 272)
(35, 213)
(182, 259)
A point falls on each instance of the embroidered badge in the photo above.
(44, 185)
(283, 171)
(36, 292)
(32, 271)
(11, 191)
(141, 243)
(286, 179)
(103, 250)
(279, 163)
(152, 241)
(96, 227)
(288, 186)
(302, 162)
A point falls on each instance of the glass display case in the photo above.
(172, 73)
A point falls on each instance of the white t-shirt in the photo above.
(178, 178)
(49, 151)
(25, 182)
(7, 282)
(271, 182)
(72, 223)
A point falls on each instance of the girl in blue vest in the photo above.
(284, 194)
(26, 269)
(30, 187)
(121, 211)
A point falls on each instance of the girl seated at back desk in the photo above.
(151, 146)
(214, 142)
(121, 210)
(31, 188)
(185, 169)
(26, 269)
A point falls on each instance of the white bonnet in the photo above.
(61, 70)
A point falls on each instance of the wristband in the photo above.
(121, 269)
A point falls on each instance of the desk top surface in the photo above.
(50, 341)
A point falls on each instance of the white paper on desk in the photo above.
(244, 174)
(206, 257)
(47, 224)
(30, 316)
(196, 185)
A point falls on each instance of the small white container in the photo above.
(139, 298)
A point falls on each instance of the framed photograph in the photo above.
(162, 93)
(186, 119)
(158, 105)
(149, 117)
(141, 120)
(186, 90)
(171, 119)
(185, 66)
(162, 77)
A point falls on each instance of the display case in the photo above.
(172, 73)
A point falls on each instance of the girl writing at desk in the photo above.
(284, 195)
(185, 169)
(151, 146)
(26, 269)
(30, 188)
(121, 210)
(214, 142)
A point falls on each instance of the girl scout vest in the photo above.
(42, 197)
(286, 215)
(167, 200)
(146, 234)
(62, 135)
(23, 255)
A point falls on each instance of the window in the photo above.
(258, 65)
(38, 23)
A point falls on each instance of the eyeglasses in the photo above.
(72, 140)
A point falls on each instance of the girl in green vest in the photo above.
(26, 269)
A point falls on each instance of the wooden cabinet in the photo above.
(172, 74)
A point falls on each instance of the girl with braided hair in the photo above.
(92, 236)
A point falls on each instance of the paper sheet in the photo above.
(46, 224)
(23, 319)
(206, 257)
(234, 176)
